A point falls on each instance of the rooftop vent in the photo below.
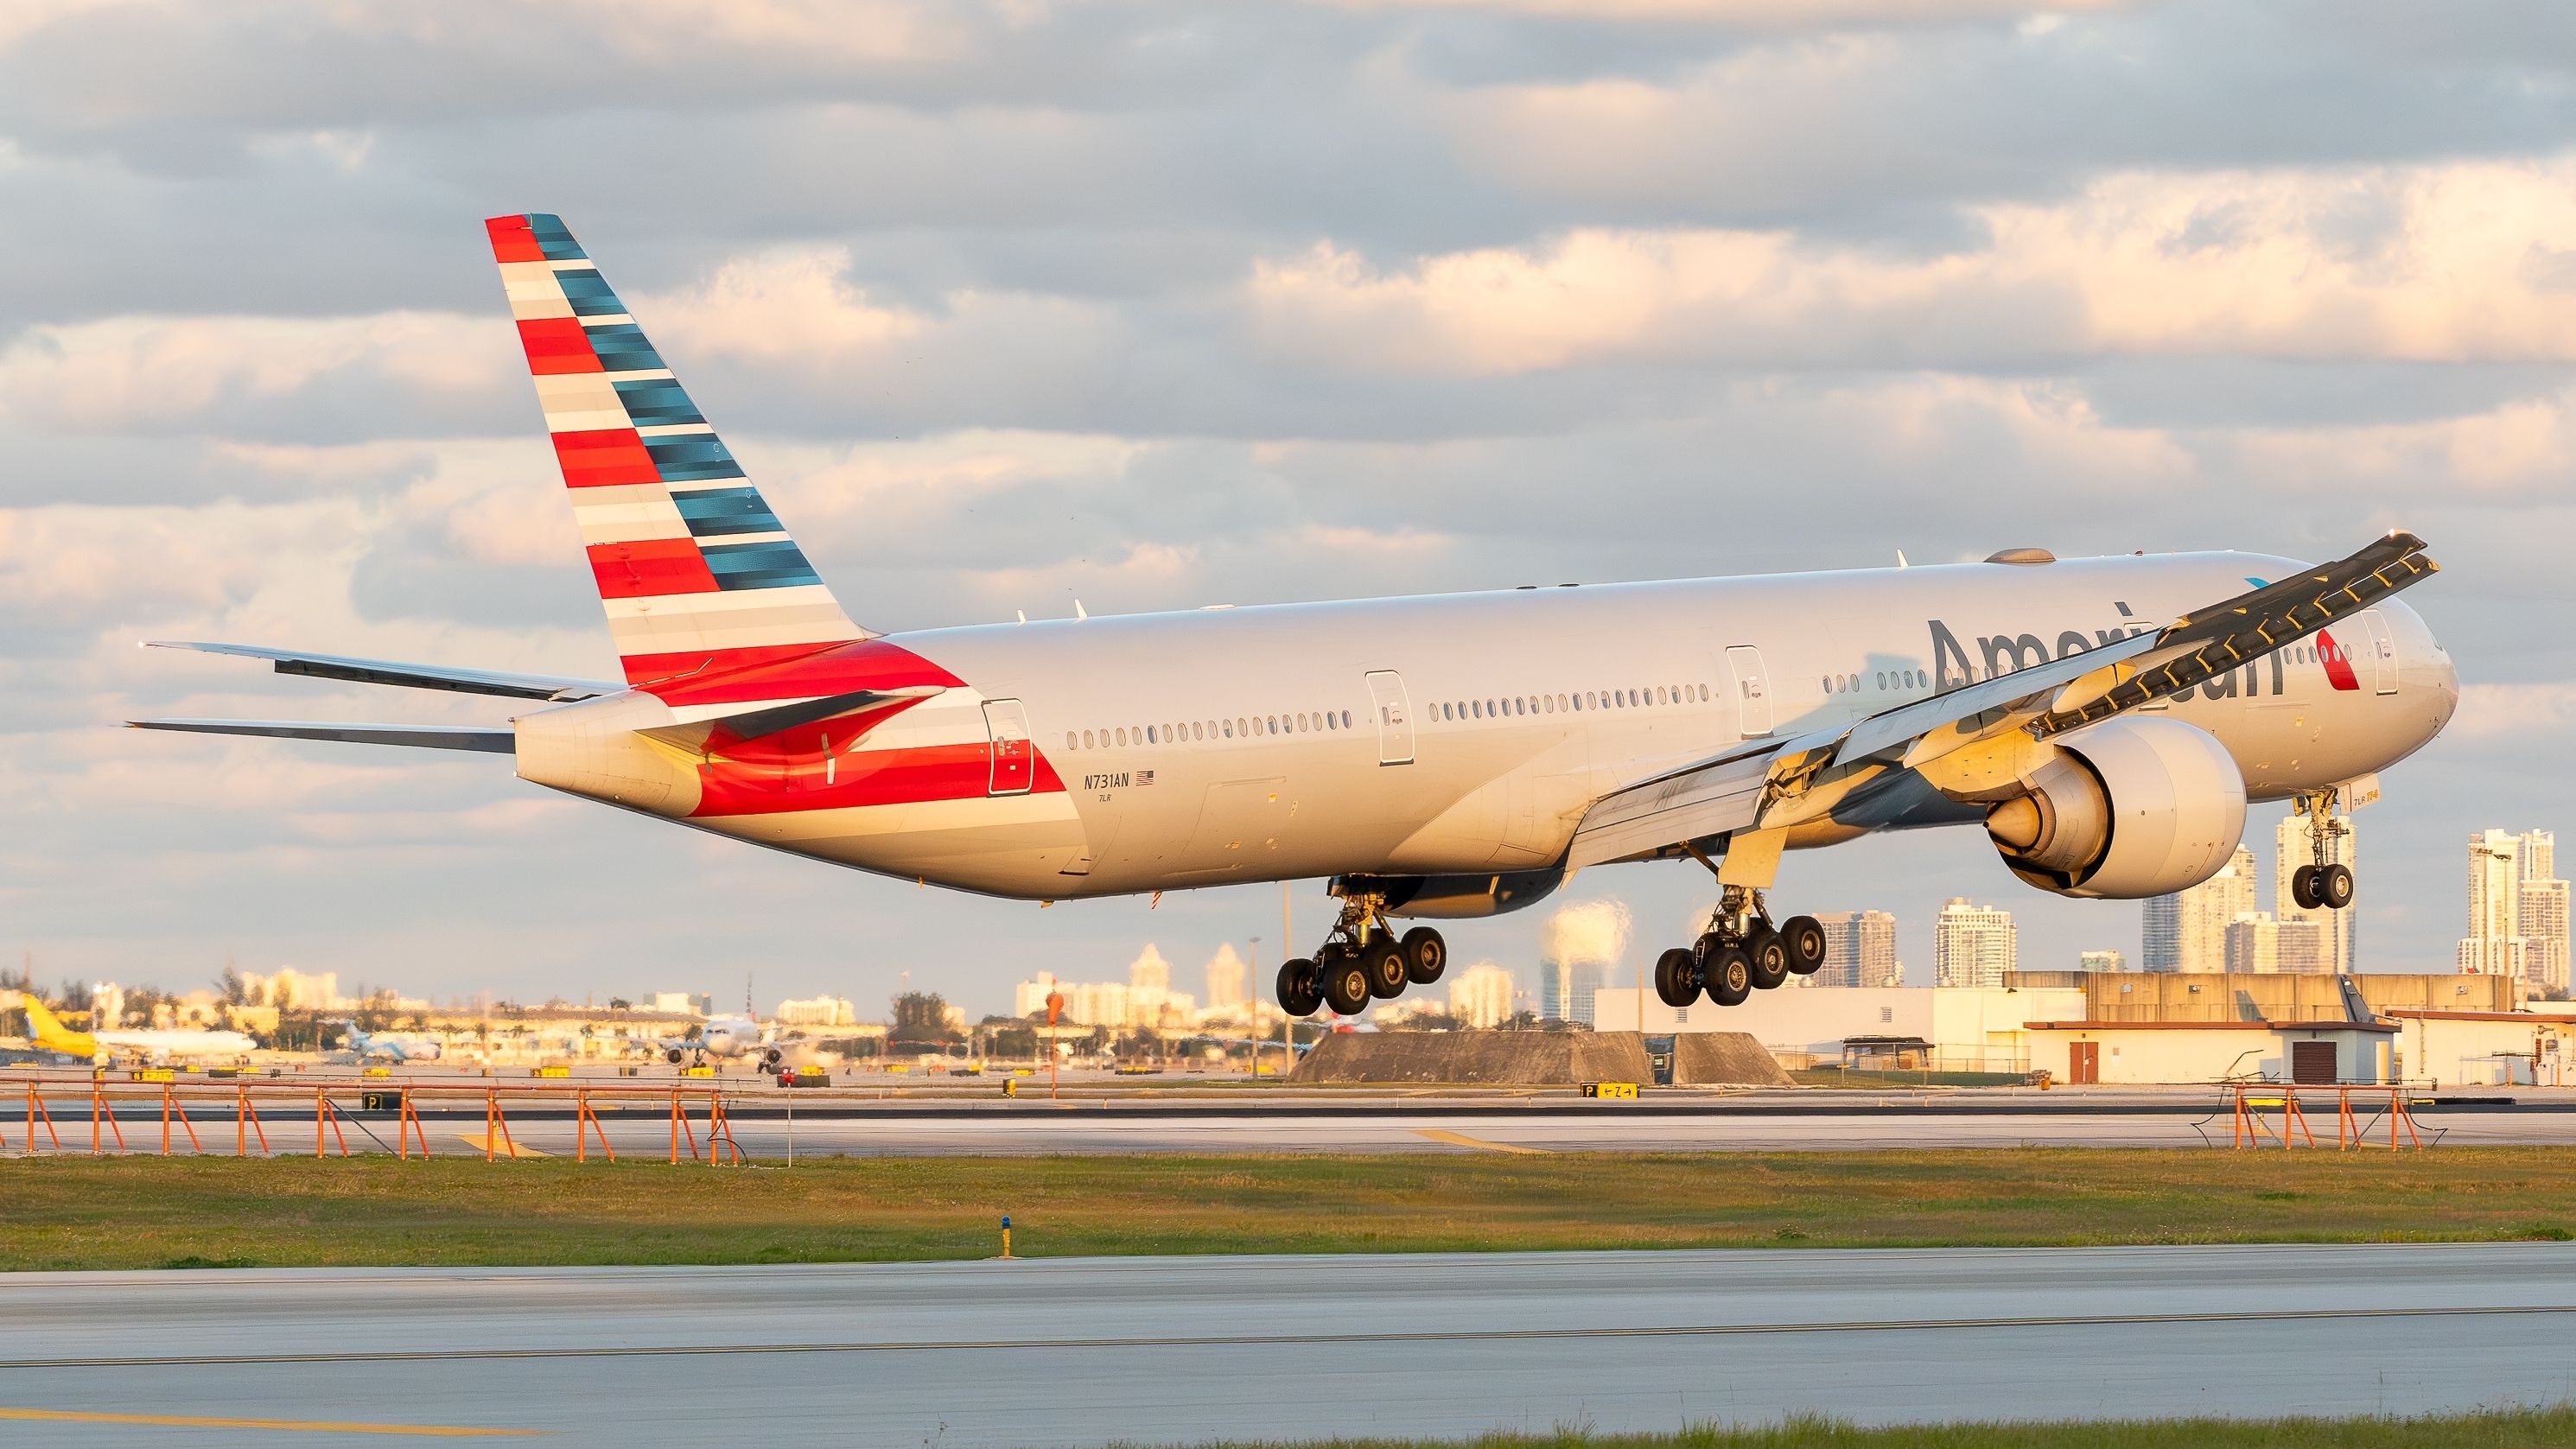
(2022, 556)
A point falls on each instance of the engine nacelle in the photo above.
(2123, 810)
(1453, 897)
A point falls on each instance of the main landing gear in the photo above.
(1740, 953)
(2327, 884)
(1362, 961)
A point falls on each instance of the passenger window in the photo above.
(1346, 719)
(1069, 740)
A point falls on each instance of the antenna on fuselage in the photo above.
(1900, 558)
(1080, 612)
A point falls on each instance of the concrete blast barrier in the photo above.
(1478, 1058)
(1724, 1059)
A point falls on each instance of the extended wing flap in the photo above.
(407, 676)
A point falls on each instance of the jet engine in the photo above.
(2123, 810)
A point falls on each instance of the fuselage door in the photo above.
(1014, 767)
(1752, 690)
(1394, 717)
(2383, 650)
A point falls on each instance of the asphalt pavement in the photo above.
(1188, 1350)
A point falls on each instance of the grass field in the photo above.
(149, 1212)
(2499, 1429)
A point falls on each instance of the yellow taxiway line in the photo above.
(283, 1426)
(1461, 1139)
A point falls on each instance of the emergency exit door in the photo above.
(1014, 767)
(1752, 690)
(1394, 717)
(2383, 650)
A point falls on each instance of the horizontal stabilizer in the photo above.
(426, 737)
(869, 707)
(408, 676)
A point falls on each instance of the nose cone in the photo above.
(2433, 680)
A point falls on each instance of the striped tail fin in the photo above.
(697, 575)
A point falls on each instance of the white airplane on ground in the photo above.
(158, 1045)
(400, 1047)
(2105, 720)
(725, 1038)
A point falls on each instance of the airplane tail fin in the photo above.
(42, 1024)
(696, 573)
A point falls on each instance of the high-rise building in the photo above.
(1565, 989)
(2259, 944)
(2517, 909)
(2187, 931)
(2495, 945)
(1481, 995)
(1860, 950)
(2101, 961)
(1228, 980)
(1149, 972)
(2295, 847)
(1972, 945)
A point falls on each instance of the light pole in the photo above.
(1251, 1000)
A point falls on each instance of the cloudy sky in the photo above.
(1157, 305)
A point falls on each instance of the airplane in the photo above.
(156, 1045)
(2105, 720)
(363, 1044)
(726, 1037)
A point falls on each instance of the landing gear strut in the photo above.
(1741, 951)
(2327, 884)
(1363, 960)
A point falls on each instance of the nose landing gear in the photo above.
(1363, 960)
(2327, 884)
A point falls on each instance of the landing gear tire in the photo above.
(1769, 959)
(1729, 975)
(2334, 887)
(1805, 938)
(1389, 972)
(1345, 984)
(1298, 993)
(2303, 888)
(1425, 955)
(1677, 978)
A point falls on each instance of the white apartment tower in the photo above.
(2187, 931)
(2495, 945)
(1972, 945)
(1228, 980)
(1860, 950)
(2296, 848)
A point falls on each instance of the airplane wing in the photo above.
(408, 676)
(1768, 784)
(427, 737)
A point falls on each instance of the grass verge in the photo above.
(2484, 1429)
(149, 1212)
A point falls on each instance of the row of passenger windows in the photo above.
(1899, 678)
(1179, 731)
(1527, 704)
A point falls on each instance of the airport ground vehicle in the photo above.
(2106, 720)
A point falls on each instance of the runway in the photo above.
(1184, 1350)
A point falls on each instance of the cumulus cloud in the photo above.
(1159, 305)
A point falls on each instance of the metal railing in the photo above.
(697, 1116)
(2272, 1110)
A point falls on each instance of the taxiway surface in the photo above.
(1181, 1350)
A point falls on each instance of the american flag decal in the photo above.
(1144, 777)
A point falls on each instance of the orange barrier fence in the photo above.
(697, 1114)
(2255, 1099)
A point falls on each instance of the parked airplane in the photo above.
(363, 1044)
(2106, 720)
(149, 1044)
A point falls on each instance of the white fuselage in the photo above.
(1209, 747)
